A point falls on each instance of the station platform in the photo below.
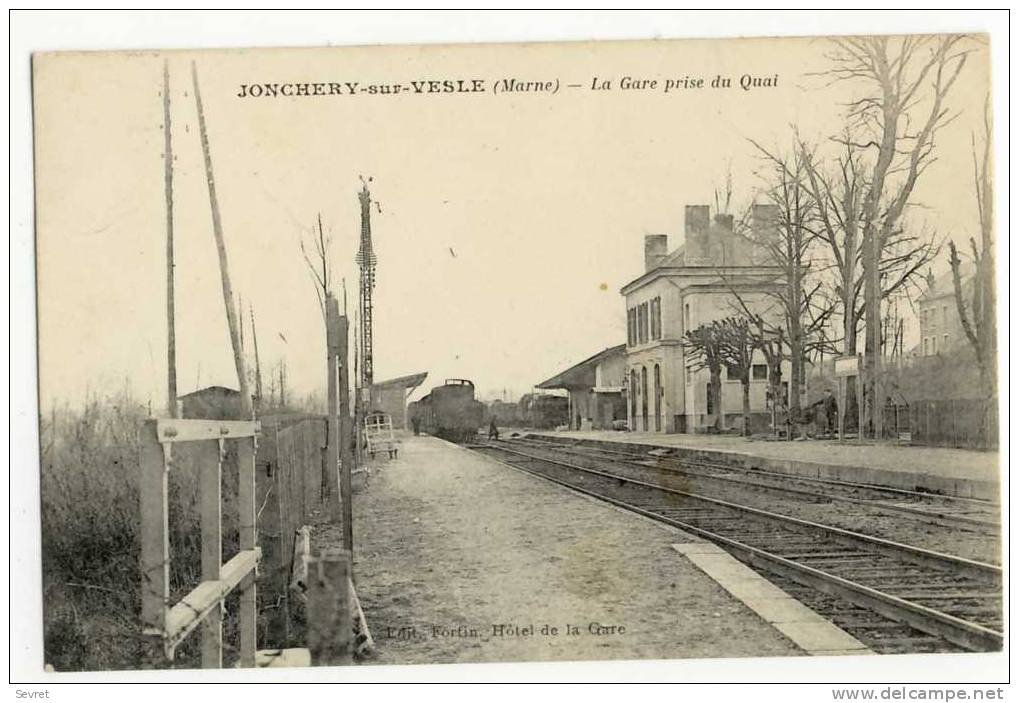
(959, 472)
(460, 558)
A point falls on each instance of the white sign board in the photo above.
(847, 366)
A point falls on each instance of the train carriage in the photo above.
(449, 411)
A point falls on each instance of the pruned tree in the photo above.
(736, 346)
(770, 341)
(704, 346)
(979, 317)
(893, 122)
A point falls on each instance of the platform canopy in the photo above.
(406, 382)
(582, 375)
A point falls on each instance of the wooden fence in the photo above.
(291, 458)
(965, 423)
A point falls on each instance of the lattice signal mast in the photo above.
(366, 261)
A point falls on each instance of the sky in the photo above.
(508, 222)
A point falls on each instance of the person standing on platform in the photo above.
(493, 431)
(831, 411)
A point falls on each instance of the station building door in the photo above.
(643, 397)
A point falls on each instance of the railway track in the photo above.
(971, 514)
(894, 597)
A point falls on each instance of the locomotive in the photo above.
(449, 411)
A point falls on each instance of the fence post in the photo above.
(248, 540)
(330, 630)
(155, 543)
(345, 434)
(209, 455)
(332, 411)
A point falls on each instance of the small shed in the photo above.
(212, 403)
(390, 397)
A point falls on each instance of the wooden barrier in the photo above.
(965, 423)
(165, 626)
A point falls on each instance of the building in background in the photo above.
(698, 283)
(595, 388)
(940, 328)
(390, 397)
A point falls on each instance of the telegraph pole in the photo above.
(171, 338)
(224, 269)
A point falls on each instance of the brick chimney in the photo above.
(764, 219)
(697, 222)
(724, 221)
(722, 241)
(656, 249)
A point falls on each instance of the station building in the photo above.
(701, 281)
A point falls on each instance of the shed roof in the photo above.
(409, 381)
(582, 375)
(210, 389)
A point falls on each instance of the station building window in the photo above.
(656, 318)
(759, 372)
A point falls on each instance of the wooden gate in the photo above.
(166, 625)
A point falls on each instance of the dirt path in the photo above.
(460, 559)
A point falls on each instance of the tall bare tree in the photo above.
(319, 262)
(838, 191)
(905, 82)
(798, 309)
(979, 317)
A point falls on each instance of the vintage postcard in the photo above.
(536, 352)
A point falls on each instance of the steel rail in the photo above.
(961, 632)
(932, 517)
(918, 555)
